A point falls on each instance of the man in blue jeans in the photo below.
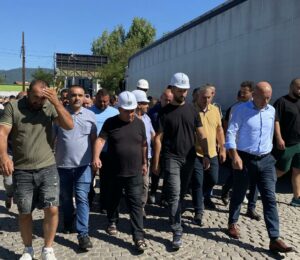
(249, 140)
(178, 122)
(73, 157)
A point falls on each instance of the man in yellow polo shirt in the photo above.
(204, 180)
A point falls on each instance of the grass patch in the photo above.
(10, 88)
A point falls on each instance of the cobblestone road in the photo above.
(207, 242)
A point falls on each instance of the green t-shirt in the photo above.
(31, 134)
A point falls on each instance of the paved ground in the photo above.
(207, 242)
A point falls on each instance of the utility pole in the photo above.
(23, 61)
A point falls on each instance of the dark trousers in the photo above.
(203, 182)
(253, 191)
(260, 172)
(178, 172)
(133, 187)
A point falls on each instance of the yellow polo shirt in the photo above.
(211, 120)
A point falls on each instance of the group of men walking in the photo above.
(184, 142)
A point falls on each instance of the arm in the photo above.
(97, 148)
(145, 158)
(221, 142)
(279, 141)
(6, 164)
(64, 119)
(204, 146)
(157, 148)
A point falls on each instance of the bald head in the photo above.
(295, 88)
(262, 94)
(166, 97)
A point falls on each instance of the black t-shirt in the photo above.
(288, 115)
(178, 125)
(125, 143)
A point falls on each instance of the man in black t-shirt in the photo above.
(287, 135)
(127, 163)
(178, 122)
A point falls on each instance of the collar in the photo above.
(70, 110)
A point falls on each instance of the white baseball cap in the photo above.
(180, 80)
(140, 96)
(127, 100)
(142, 84)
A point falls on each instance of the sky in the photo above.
(70, 26)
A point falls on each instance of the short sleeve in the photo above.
(105, 130)
(197, 119)
(7, 117)
(278, 110)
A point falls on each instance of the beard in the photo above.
(179, 100)
(296, 94)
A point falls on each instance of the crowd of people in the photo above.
(52, 148)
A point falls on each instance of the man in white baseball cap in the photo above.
(126, 138)
(178, 122)
(143, 85)
(141, 113)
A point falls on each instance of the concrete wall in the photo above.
(255, 40)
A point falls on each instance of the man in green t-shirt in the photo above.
(29, 121)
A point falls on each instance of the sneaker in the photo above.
(177, 241)
(85, 242)
(112, 229)
(209, 204)
(198, 219)
(8, 202)
(28, 254)
(48, 254)
(295, 202)
(140, 245)
(245, 201)
(152, 199)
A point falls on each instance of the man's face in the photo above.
(102, 102)
(296, 89)
(166, 98)
(246, 94)
(179, 95)
(126, 115)
(64, 98)
(76, 97)
(36, 97)
(204, 98)
(143, 106)
(261, 98)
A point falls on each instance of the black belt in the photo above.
(253, 156)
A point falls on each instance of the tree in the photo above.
(43, 75)
(2, 80)
(119, 46)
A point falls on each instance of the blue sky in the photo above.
(71, 25)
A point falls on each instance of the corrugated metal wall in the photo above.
(255, 40)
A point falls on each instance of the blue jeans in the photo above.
(76, 180)
(178, 172)
(260, 172)
(203, 182)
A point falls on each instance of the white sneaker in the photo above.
(28, 254)
(48, 254)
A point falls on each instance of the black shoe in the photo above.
(225, 198)
(8, 202)
(112, 229)
(253, 215)
(140, 245)
(177, 241)
(85, 242)
(198, 219)
(208, 203)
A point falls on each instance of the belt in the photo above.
(253, 156)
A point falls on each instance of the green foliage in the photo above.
(119, 46)
(2, 80)
(43, 75)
